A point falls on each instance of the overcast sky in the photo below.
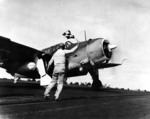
(126, 23)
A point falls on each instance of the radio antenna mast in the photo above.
(85, 35)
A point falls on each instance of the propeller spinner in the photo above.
(111, 47)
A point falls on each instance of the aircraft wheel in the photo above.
(96, 85)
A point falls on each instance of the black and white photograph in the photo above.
(74, 59)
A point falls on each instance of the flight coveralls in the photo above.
(58, 76)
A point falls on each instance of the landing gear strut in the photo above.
(16, 79)
(97, 84)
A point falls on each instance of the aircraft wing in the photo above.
(12, 52)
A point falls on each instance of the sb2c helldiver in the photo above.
(93, 54)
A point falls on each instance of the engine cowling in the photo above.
(99, 50)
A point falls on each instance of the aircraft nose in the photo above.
(111, 47)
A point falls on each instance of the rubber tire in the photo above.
(96, 85)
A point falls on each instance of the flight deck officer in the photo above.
(59, 71)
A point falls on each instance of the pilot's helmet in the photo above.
(62, 45)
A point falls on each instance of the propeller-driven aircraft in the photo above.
(93, 54)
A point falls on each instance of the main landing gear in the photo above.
(97, 84)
